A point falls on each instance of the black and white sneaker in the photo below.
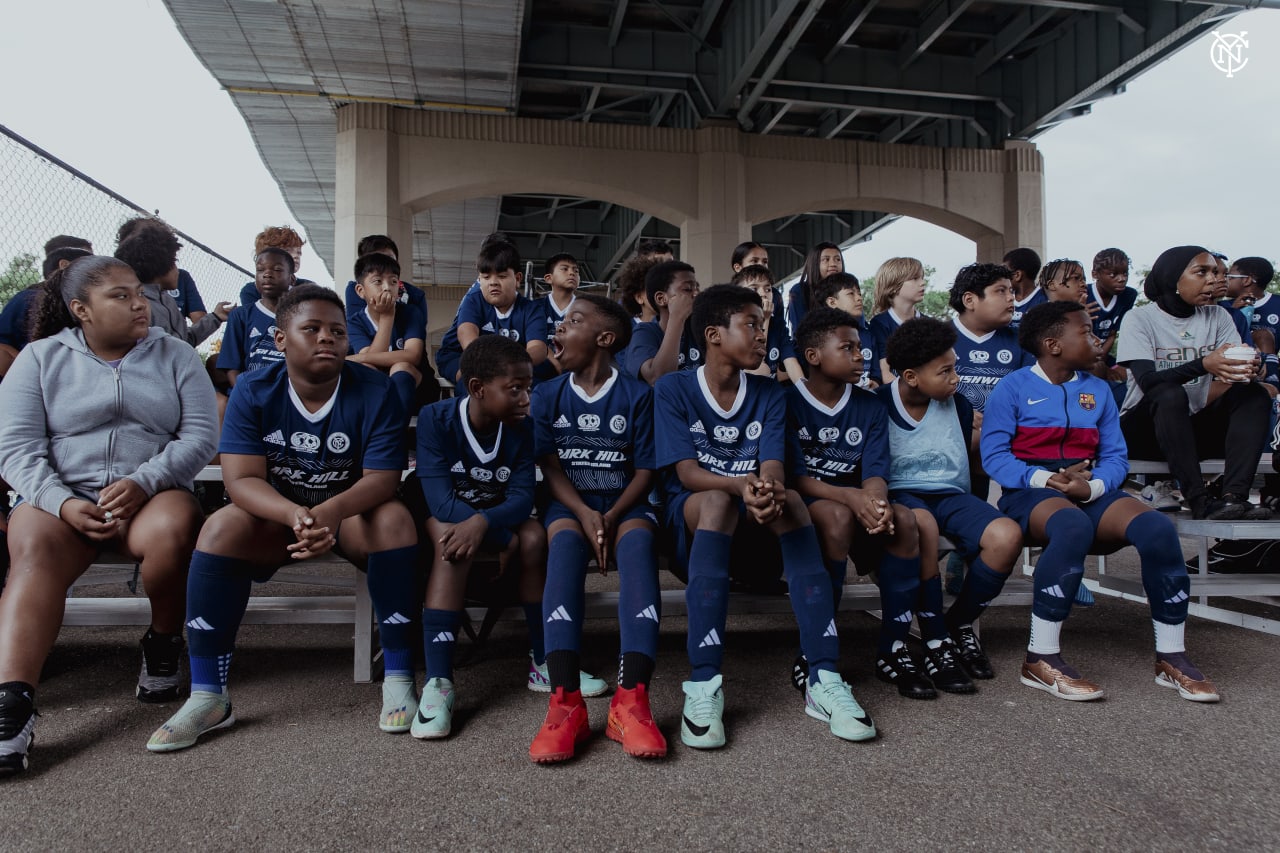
(800, 674)
(969, 652)
(17, 728)
(944, 669)
(160, 680)
(899, 668)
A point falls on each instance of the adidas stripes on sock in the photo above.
(639, 603)
(809, 585)
(563, 597)
(707, 602)
(392, 579)
(217, 595)
(899, 579)
(439, 636)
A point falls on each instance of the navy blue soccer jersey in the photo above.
(982, 361)
(1036, 297)
(879, 328)
(186, 294)
(778, 346)
(1107, 321)
(14, 329)
(408, 325)
(600, 441)
(522, 322)
(313, 456)
(689, 424)
(841, 445)
(249, 340)
(409, 295)
(1266, 316)
(646, 338)
(464, 473)
(551, 314)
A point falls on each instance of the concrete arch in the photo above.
(462, 191)
(951, 221)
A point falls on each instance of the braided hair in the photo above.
(52, 311)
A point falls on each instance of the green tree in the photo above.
(22, 272)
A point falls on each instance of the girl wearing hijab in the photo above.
(1175, 348)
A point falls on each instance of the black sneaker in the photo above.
(17, 729)
(160, 681)
(900, 669)
(970, 654)
(1229, 507)
(944, 670)
(800, 674)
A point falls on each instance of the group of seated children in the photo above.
(116, 420)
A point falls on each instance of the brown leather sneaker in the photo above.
(1042, 676)
(1168, 675)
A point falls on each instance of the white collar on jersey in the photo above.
(502, 316)
(896, 394)
(484, 457)
(1105, 306)
(555, 309)
(711, 398)
(265, 310)
(977, 339)
(604, 389)
(899, 320)
(321, 413)
(803, 388)
(1020, 302)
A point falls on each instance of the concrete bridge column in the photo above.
(708, 239)
(1023, 204)
(367, 188)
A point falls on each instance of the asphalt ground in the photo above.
(1008, 768)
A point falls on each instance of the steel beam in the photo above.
(750, 28)
(942, 16)
(1020, 25)
(615, 22)
(851, 18)
(784, 50)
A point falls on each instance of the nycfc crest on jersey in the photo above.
(600, 440)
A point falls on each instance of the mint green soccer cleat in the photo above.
(829, 699)
(540, 681)
(435, 712)
(398, 703)
(203, 713)
(702, 722)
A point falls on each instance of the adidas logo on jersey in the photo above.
(255, 332)
(458, 468)
(831, 630)
(803, 435)
(712, 639)
(649, 612)
(560, 615)
(396, 619)
(198, 624)
(488, 327)
(697, 426)
(443, 637)
(562, 423)
(276, 437)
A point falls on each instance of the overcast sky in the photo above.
(1186, 155)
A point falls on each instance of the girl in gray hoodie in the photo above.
(106, 423)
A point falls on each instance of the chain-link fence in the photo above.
(41, 196)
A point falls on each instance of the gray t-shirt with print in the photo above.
(1151, 334)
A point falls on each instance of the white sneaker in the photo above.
(702, 722)
(540, 680)
(1159, 496)
(435, 712)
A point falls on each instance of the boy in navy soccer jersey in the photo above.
(930, 430)
(594, 439)
(1247, 282)
(249, 341)
(780, 355)
(1053, 443)
(387, 335)
(562, 277)
(1024, 263)
(840, 450)
(667, 343)
(312, 452)
(721, 440)
(843, 292)
(494, 307)
(476, 464)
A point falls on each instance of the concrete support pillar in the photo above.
(708, 239)
(367, 188)
(1023, 204)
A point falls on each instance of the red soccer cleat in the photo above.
(564, 728)
(631, 724)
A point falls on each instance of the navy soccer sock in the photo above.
(404, 386)
(1061, 565)
(639, 604)
(810, 589)
(439, 636)
(933, 625)
(1164, 572)
(563, 598)
(217, 595)
(899, 579)
(707, 601)
(838, 570)
(981, 585)
(392, 578)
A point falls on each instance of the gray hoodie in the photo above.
(166, 315)
(73, 424)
